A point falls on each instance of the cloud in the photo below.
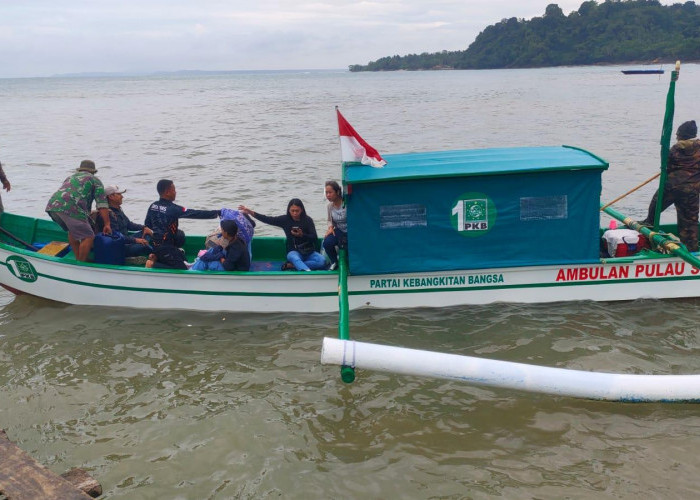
(41, 37)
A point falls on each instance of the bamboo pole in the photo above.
(630, 191)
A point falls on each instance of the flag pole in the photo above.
(666, 132)
(340, 149)
(347, 373)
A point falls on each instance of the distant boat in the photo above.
(643, 71)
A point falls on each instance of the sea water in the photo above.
(160, 404)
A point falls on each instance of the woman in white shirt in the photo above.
(336, 235)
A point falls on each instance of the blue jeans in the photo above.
(313, 261)
(339, 239)
(136, 249)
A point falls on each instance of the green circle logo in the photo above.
(22, 268)
(473, 214)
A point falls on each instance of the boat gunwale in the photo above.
(111, 267)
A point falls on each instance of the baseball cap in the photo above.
(110, 190)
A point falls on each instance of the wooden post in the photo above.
(23, 478)
(83, 481)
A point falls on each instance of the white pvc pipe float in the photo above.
(518, 376)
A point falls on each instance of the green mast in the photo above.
(666, 133)
(347, 373)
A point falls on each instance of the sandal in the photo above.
(288, 266)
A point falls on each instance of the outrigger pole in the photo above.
(666, 132)
(509, 375)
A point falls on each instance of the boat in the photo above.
(427, 229)
(452, 228)
(643, 71)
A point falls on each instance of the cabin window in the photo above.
(543, 208)
(402, 216)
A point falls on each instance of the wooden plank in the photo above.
(83, 481)
(53, 248)
(23, 478)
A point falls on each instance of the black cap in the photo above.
(687, 130)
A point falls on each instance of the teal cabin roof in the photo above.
(470, 162)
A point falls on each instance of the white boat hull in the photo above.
(662, 278)
(317, 292)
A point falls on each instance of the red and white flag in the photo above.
(353, 148)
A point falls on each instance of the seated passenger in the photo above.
(301, 235)
(246, 226)
(237, 257)
(163, 215)
(336, 235)
(135, 245)
(230, 255)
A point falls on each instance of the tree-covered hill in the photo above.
(615, 31)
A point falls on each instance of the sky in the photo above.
(49, 37)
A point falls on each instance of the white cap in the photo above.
(110, 190)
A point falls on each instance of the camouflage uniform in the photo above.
(74, 198)
(682, 189)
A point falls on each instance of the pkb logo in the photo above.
(22, 268)
(473, 214)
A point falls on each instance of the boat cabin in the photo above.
(474, 209)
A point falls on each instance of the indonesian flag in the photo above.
(353, 148)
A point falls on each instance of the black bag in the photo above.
(304, 247)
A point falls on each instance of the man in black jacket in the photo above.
(163, 215)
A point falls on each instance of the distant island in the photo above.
(615, 31)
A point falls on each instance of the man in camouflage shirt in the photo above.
(682, 187)
(5, 185)
(70, 208)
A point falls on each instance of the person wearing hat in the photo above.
(5, 184)
(134, 245)
(70, 208)
(682, 187)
